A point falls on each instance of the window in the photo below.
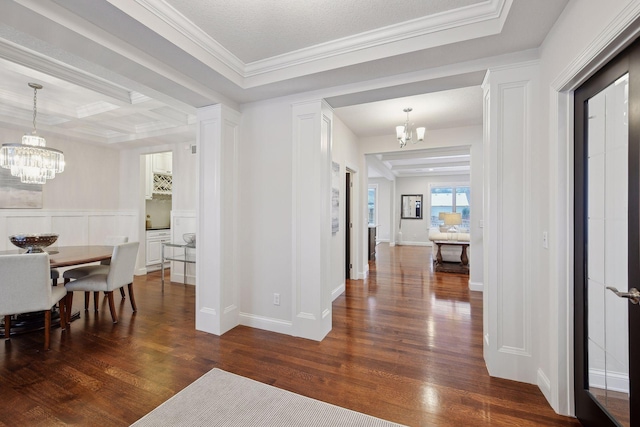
(372, 202)
(451, 199)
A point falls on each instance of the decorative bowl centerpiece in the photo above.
(190, 238)
(33, 243)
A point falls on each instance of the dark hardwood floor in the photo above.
(406, 346)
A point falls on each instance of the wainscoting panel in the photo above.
(101, 226)
(26, 224)
(510, 95)
(74, 227)
(73, 230)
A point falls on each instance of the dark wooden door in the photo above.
(607, 244)
(347, 231)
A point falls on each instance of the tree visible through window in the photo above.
(451, 199)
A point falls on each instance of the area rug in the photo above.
(220, 398)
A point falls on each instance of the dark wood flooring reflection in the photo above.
(406, 346)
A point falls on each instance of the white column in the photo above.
(510, 100)
(312, 133)
(216, 284)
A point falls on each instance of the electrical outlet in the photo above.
(545, 239)
(276, 299)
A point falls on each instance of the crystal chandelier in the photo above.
(405, 134)
(32, 161)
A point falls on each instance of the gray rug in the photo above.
(220, 398)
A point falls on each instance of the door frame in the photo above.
(587, 409)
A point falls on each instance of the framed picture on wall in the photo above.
(335, 197)
(16, 195)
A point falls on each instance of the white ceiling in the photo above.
(133, 72)
(448, 161)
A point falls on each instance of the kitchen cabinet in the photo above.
(155, 239)
(157, 178)
(162, 163)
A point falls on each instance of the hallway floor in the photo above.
(406, 346)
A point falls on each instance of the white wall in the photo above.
(264, 191)
(90, 180)
(345, 152)
(414, 231)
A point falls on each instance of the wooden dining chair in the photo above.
(25, 287)
(120, 274)
(87, 270)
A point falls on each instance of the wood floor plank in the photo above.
(406, 346)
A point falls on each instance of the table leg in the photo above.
(162, 268)
(463, 256)
(439, 255)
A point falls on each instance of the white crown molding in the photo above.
(184, 26)
(479, 20)
(35, 61)
(615, 37)
(492, 10)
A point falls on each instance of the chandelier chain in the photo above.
(35, 100)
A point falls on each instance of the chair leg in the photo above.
(96, 298)
(47, 328)
(7, 326)
(63, 313)
(131, 297)
(86, 301)
(122, 293)
(112, 306)
(69, 303)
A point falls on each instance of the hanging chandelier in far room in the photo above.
(32, 161)
(405, 133)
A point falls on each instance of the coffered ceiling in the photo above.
(431, 162)
(133, 72)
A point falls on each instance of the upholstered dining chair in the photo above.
(25, 288)
(119, 274)
(86, 270)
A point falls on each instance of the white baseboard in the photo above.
(406, 243)
(614, 381)
(544, 385)
(476, 286)
(363, 275)
(338, 291)
(266, 323)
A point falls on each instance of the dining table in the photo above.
(59, 257)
